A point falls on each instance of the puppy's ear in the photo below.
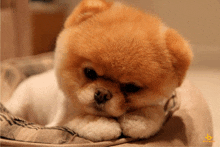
(181, 54)
(85, 10)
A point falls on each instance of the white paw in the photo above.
(96, 128)
(136, 126)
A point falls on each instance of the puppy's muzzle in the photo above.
(102, 95)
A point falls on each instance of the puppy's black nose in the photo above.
(102, 95)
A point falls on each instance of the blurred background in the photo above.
(30, 27)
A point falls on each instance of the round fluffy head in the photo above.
(121, 50)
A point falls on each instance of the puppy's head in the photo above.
(111, 58)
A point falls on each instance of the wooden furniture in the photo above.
(29, 28)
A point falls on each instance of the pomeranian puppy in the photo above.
(115, 67)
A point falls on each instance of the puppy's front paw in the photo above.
(96, 128)
(136, 126)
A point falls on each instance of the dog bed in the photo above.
(188, 126)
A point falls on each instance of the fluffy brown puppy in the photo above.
(115, 67)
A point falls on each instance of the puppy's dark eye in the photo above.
(90, 73)
(130, 88)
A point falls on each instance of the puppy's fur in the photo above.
(115, 66)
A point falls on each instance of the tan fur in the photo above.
(85, 10)
(123, 45)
